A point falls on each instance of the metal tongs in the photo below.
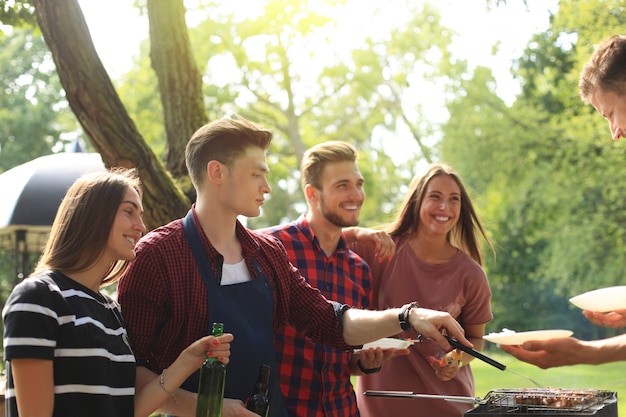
(409, 394)
(456, 344)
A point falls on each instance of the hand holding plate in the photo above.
(615, 319)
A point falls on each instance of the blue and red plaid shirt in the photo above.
(315, 379)
(164, 300)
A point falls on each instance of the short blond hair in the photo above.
(316, 158)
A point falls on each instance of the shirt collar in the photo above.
(305, 228)
(249, 245)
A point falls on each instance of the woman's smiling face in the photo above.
(441, 206)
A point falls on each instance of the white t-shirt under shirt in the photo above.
(235, 273)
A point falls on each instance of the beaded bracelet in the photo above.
(162, 383)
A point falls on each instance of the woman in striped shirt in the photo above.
(65, 341)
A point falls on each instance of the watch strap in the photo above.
(403, 316)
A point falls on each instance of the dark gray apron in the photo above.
(247, 310)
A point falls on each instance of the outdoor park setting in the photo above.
(408, 83)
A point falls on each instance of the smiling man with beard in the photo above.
(315, 379)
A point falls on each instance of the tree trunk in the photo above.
(99, 110)
(180, 81)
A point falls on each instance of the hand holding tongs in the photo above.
(475, 353)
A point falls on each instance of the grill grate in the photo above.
(547, 402)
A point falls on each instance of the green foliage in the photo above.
(34, 117)
(543, 170)
(16, 13)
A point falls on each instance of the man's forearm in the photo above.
(362, 326)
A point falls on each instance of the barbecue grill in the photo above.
(527, 402)
(546, 402)
(522, 402)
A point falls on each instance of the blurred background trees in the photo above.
(541, 169)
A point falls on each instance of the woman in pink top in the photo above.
(438, 262)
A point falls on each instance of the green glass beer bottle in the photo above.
(258, 402)
(211, 385)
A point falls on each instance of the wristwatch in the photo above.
(404, 315)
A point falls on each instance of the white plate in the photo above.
(388, 343)
(510, 337)
(602, 300)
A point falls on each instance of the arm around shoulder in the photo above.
(383, 245)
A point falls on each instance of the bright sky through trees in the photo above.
(117, 28)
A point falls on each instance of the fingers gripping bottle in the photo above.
(211, 385)
(258, 402)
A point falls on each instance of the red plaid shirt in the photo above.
(164, 300)
(315, 379)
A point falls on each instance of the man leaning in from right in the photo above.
(603, 85)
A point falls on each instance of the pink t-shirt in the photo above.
(459, 287)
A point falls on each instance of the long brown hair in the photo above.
(463, 235)
(81, 228)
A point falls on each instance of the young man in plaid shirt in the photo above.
(315, 378)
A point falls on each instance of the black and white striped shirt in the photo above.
(53, 317)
